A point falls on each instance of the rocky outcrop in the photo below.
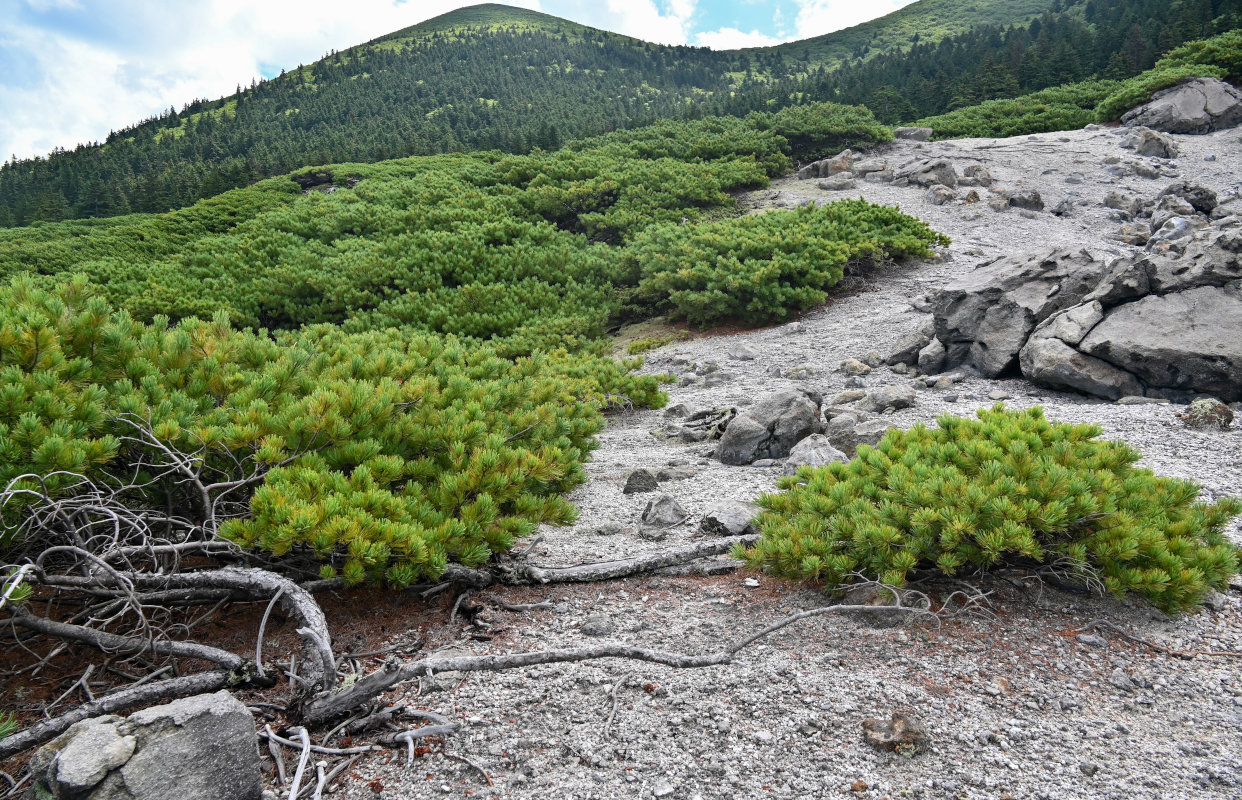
(842, 162)
(771, 427)
(1186, 340)
(1202, 105)
(984, 318)
(199, 748)
(1156, 325)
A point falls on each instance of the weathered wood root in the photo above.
(257, 584)
(126, 645)
(326, 707)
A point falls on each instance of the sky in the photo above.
(71, 71)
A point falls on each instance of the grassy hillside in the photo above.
(926, 21)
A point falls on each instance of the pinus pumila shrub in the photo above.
(1007, 489)
(817, 130)
(760, 268)
(391, 453)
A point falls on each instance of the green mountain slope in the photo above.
(491, 77)
(926, 21)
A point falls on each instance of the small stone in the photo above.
(998, 394)
(751, 583)
(848, 396)
(1121, 680)
(664, 512)
(855, 382)
(1088, 769)
(742, 352)
(1092, 640)
(598, 625)
(1139, 400)
(859, 786)
(939, 194)
(640, 480)
(1215, 600)
(662, 789)
(852, 366)
(1209, 157)
(900, 734)
(1208, 412)
(729, 518)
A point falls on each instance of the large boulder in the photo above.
(771, 427)
(1051, 362)
(1201, 105)
(1185, 340)
(928, 172)
(199, 748)
(985, 317)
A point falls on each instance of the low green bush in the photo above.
(760, 268)
(1010, 488)
(390, 452)
(818, 130)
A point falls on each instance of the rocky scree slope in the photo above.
(1026, 704)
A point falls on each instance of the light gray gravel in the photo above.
(1019, 705)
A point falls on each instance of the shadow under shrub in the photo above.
(1010, 488)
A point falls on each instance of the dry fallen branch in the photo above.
(1188, 655)
(326, 707)
(126, 645)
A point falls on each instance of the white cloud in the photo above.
(643, 19)
(734, 39)
(817, 17)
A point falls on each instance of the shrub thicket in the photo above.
(1010, 488)
(760, 268)
(397, 451)
(428, 371)
(816, 130)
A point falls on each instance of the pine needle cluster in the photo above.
(1008, 489)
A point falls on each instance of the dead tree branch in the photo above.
(126, 645)
(326, 707)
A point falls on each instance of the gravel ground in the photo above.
(1019, 704)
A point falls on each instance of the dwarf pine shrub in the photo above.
(391, 453)
(1007, 489)
(760, 268)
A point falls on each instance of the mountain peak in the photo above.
(485, 17)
